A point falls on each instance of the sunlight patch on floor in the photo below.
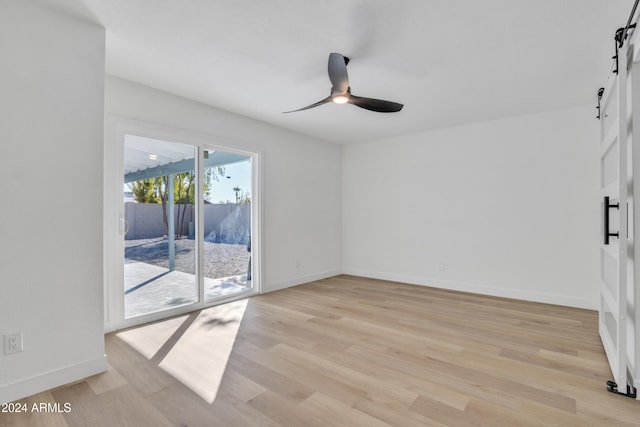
(199, 357)
(193, 348)
(149, 339)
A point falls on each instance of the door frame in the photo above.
(113, 214)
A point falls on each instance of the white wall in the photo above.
(51, 105)
(509, 206)
(302, 178)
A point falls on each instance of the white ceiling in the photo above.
(450, 62)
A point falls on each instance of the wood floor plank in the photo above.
(270, 379)
(180, 407)
(332, 412)
(303, 374)
(415, 376)
(338, 371)
(240, 386)
(351, 351)
(283, 411)
(227, 410)
(106, 381)
(118, 407)
(390, 414)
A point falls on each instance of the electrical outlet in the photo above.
(297, 263)
(13, 343)
(442, 266)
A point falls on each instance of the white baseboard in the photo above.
(52, 379)
(479, 289)
(270, 287)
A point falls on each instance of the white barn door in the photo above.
(613, 247)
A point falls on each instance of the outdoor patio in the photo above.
(150, 285)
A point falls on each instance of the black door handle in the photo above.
(608, 206)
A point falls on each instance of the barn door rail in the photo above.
(629, 25)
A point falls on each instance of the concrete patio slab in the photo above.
(149, 288)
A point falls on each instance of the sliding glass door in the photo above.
(187, 226)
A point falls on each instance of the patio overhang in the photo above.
(213, 159)
(147, 158)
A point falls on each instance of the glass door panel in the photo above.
(160, 249)
(227, 215)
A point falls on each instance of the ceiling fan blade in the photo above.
(324, 101)
(338, 72)
(375, 104)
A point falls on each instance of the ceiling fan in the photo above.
(341, 91)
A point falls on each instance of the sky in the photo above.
(236, 175)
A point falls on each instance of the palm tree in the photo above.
(237, 190)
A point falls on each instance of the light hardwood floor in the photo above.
(350, 351)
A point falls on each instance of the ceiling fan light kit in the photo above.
(341, 99)
(341, 91)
